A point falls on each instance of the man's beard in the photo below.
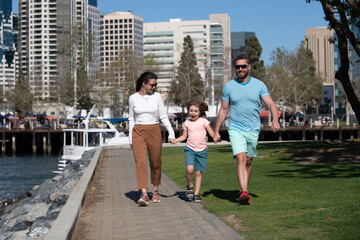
(245, 75)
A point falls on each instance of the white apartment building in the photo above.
(120, 31)
(45, 27)
(212, 46)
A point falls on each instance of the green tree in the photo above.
(22, 98)
(83, 86)
(254, 49)
(73, 84)
(119, 80)
(340, 14)
(292, 78)
(188, 84)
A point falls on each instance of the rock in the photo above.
(69, 186)
(55, 195)
(44, 191)
(38, 210)
(4, 236)
(40, 227)
(53, 214)
(39, 207)
(21, 210)
(19, 226)
(59, 201)
(21, 235)
(8, 224)
(57, 178)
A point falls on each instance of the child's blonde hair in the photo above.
(203, 107)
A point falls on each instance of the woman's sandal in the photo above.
(155, 196)
(189, 192)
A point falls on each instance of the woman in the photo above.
(144, 133)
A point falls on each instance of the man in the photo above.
(242, 97)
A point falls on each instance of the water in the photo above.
(19, 173)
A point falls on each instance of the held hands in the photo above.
(172, 140)
(217, 138)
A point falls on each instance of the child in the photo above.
(195, 149)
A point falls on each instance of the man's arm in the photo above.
(275, 126)
(220, 119)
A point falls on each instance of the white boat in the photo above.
(95, 133)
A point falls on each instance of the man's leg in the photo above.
(242, 171)
(249, 167)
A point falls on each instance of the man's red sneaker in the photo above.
(244, 198)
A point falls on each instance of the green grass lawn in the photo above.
(289, 201)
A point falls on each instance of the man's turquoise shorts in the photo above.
(244, 142)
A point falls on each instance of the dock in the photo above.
(50, 140)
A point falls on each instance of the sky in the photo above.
(276, 23)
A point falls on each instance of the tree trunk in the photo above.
(343, 76)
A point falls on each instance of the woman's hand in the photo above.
(172, 140)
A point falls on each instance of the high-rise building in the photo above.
(8, 52)
(317, 40)
(354, 57)
(239, 39)
(46, 41)
(238, 42)
(94, 28)
(211, 38)
(121, 31)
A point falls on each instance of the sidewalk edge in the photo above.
(65, 223)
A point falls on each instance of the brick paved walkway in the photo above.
(110, 210)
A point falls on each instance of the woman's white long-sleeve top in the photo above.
(146, 110)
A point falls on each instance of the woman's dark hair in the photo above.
(144, 78)
(203, 107)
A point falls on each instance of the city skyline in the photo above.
(276, 25)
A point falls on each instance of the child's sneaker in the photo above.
(144, 200)
(244, 198)
(189, 192)
(197, 199)
(155, 196)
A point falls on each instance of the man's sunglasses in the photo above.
(242, 66)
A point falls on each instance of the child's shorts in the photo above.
(244, 142)
(196, 159)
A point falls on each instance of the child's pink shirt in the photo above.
(196, 139)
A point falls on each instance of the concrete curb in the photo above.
(65, 223)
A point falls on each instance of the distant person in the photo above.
(242, 97)
(144, 134)
(195, 149)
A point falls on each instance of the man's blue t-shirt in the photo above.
(244, 102)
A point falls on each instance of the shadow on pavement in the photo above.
(133, 195)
